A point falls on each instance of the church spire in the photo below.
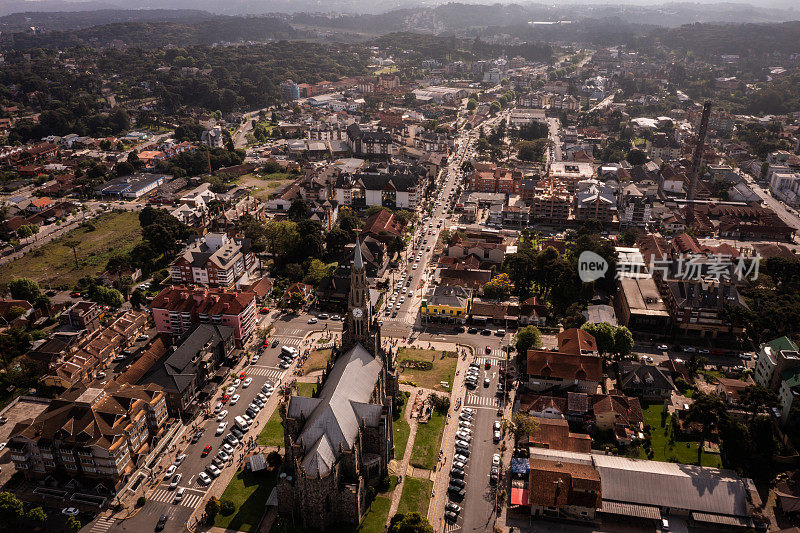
(358, 261)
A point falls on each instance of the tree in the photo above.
(409, 523)
(527, 338)
(709, 410)
(298, 210)
(37, 516)
(603, 335)
(395, 246)
(756, 398)
(495, 107)
(498, 288)
(336, 240)
(11, 509)
(226, 507)
(472, 104)
(532, 150)
(523, 425)
(138, 298)
(15, 312)
(28, 230)
(623, 341)
(274, 459)
(636, 157)
(212, 507)
(440, 403)
(318, 270)
(73, 524)
(24, 289)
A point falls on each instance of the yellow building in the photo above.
(447, 302)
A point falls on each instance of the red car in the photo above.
(264, 310)
(206, 451)
(243, 375)
(225, 398)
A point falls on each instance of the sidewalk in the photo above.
(402, 466)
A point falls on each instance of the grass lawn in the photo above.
(401, 433)
(272, 434)
(306, 389)
(266, 184)
(427, 442)
(444, 368)
(249, 492)
(682, 451)
(416, 496)
(316, 360)
(114, 233)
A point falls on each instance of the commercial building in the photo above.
(133, 186)
(178, 309)
(447, 302)
(639, 305)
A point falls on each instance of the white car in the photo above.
(205, 478)
(247, 382)
(463, 436)
(218, 408)
(464, 424)
(236, 382)
(221, 427)
(179, 459)
(231, 389)
(227, 448)
(221, 416)
(312, 320)
(232, 440)
(496, 425)
(179, 494)
(223, 455)
(174, 483)
(170, 471)
(496, 459)
(234, 399)
(213, 470)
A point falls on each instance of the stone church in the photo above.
(339, 443)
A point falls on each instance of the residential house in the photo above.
(563, 490)
(447, 302)
(645, 381)
(555, 371)
(215, 260)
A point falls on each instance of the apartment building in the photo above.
(83, 315)
(177, 309)
(696, 306)
(91, 433)
(216, 260)
(595, 200)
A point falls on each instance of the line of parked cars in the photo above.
(456, 490)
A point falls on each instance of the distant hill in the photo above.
(75, 20)
(159, 34)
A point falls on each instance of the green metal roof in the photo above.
(782, 343)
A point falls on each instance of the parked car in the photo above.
(170, 471)
(204, 478)
(206, 450)
(175, 480)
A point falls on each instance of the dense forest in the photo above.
(159, 34)
(75, 20)
(745, 40)
(229, 78)
(425, 46)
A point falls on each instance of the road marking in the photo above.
(451, 527)
(473, 399)
(265, 371)
(102, 525)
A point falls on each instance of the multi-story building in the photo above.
(774, 358)
(551, 206)
(90, 433)
(177, 309)
(393, 186)
(366, 142)
(595, 200)
(83, 315)
(633, 207)
(696, 306)
(215, 259)
(664, 147)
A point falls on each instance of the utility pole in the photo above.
(698, 156)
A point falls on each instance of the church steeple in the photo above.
(359, 317)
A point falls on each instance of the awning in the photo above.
(519, 497)
(725, 520)
(631, 509)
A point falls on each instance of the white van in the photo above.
(289, 350)
(241, 423)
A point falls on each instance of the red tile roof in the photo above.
(564, 366)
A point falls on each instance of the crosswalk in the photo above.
(289, 341)
(295, 332)
(450, 526)
(494, 359)
(487, 401)
(265, 371)
(189, 500)
(102, 525)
